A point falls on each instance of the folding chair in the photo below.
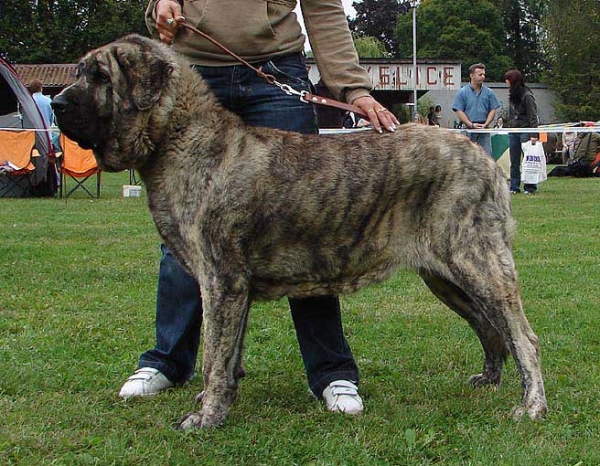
(16, 152)
(133, 179)
(79, 165)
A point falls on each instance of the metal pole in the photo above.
(414, 24)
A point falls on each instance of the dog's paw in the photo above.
(482, 380)
(536, 411)
(190, 421)
(200, 420)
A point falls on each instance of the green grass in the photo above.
(78, 285)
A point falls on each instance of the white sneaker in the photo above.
(341, 396)
(145, 382)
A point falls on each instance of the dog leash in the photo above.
(304, 96)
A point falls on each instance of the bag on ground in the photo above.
(534, 163)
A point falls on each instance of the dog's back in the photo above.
(329, 214)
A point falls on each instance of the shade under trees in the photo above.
(523, 35)
(61, 31)
(572, 48)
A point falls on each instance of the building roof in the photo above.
(50, 75)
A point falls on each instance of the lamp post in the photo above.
(413, 5)
(404, 8)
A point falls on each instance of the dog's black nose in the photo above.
(59, 104)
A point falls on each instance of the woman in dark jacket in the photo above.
(522, 114)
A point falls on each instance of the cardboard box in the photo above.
(132, 190)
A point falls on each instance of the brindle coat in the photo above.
(257, 214)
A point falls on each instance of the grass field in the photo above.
(78, 285)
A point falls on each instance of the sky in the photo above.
(348, 7)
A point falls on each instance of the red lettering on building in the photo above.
(431, 76)
(448, 78)
(384, 75)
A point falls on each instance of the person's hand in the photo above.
(478, 126)
(379, 116)
(168, 18)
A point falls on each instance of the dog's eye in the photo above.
(101, 77)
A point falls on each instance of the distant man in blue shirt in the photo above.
(475, 105)
(42, 101)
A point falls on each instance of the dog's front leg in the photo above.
(225, 316)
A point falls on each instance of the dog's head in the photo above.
(111, 108)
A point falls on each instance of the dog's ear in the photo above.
(146, 74)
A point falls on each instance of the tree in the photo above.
(61, 31)
(522, 25)
(377, 19)
(369, 47)
(13, 13)
(469, 31)
(572, 44)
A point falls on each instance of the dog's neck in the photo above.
(201, 119)
(203, 112)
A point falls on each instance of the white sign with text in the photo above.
(399, 77)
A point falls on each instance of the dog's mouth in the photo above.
(84, 144)
(79, 130)
(73, 123)
(86, 141)
(79, 138)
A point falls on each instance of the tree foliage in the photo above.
(60, 31)
(377, 19)
(522, 34)
(369, 47)
(555, 40)
(572, 47)
(470, 31)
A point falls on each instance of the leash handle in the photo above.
(317, 99)
(305, 97)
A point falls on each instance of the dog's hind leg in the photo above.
(488, 278)
(225, 318)
(494, 349)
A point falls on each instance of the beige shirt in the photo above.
(260, 30)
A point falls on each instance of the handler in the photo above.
(268, 35)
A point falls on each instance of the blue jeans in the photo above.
(326, 354)
(483, 139)
(516, 152)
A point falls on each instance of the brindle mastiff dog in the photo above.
(257, 214)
